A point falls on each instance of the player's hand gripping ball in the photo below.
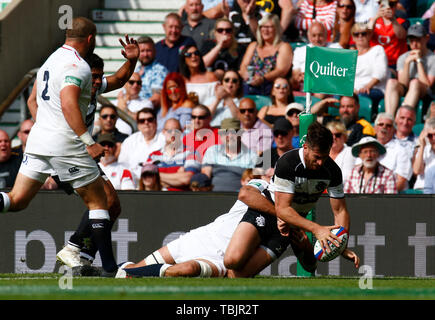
(323, 255)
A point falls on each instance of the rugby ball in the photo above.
(323, 255)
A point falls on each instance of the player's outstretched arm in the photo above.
(341, 215)
(131, 53)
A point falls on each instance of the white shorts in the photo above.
(79, 170)
(196, 244)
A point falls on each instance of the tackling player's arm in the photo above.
(251, 196)
(69, 99)
(120, 77)
(31, 102)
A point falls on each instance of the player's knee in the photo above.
(233, 261)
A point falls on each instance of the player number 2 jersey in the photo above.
(51, 135)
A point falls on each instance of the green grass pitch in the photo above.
(49, 287)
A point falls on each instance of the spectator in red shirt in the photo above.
(389, 32)
(202, 135)
(176, 164)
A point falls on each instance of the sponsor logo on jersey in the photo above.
(73, 170)
(73, 80)
(260, 221)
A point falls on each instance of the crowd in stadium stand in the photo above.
(221, 93)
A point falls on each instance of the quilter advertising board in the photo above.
(330, 71)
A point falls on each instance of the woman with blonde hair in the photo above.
(222, 52)
(340, 152)
(267, 58)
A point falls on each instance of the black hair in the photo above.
(319, 137)
(184, 69)
(94, 61)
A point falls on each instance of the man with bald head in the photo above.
(9, 161)
(317, 37)
(59, 142)
(23, 134)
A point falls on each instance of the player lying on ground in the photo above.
(201, 251)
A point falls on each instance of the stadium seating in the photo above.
(260, 101)
(418, 128)
(365, 108)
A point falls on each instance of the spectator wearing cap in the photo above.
(149, 178)
(370, 176)
(340, 152)
(416, 72)
(397, 158)
(292, 114)
(108, 120)
(200, 182)
(138, 146)
(425, 156)
(225, 163)
(256, 135)
(282, 136)
(119, 175)
(176, 164)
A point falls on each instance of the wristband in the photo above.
(418, 60)
(87, 139)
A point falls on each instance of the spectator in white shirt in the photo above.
(119, 175)
(397, 158)
(138, 146)
(425, 156)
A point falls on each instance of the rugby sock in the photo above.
(102, 235)
(5, 202)
(90, 249)
(83, 231)
(154, 270)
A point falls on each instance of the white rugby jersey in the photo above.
(226, 224)
(51, 135)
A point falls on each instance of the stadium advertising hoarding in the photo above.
(394, 235)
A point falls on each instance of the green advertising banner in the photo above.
(330, 70)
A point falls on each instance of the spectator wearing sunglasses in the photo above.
(425, 156)
(108, 120)
(198, 79)
(281, 95)
(129, 99)
(372, 66)
(282, 136)
(119, 175)
(201, 135)
(256, 135)
(340, 152)
(225, 163)
(397, 158)
(22, 135)
(269, 58)
(222, 52)
(225, 101)
(175, 102)
(196, 25)
(136, 149)
(343, 23)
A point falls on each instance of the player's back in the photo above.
(51, 134)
